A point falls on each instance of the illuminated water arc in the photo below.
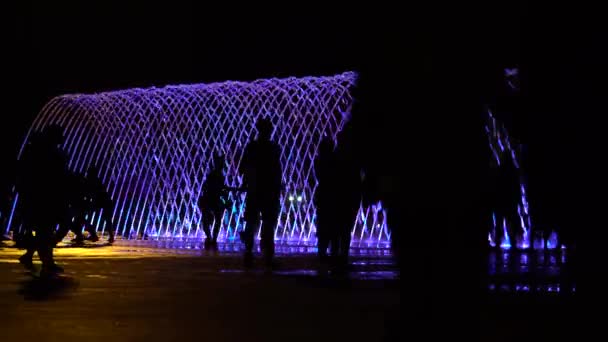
(153, 149)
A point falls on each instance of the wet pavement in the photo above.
(530, 271)
(137, 293)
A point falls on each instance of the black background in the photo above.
(431, 54)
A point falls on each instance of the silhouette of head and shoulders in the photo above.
(261, 160)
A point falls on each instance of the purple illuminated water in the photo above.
(499, 142)
(153, 147)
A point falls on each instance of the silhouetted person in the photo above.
(261, 169)
(325, 197)
(348, 189)
(22, 231)
(214, 201)
(79, 211)
(102, 202)
(42, 190)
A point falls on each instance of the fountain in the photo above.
(153, 148)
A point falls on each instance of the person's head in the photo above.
(53, 135)
(93, 171)
(264, 127)
(218, 160)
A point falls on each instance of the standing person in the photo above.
(101, 200)
(214, 201)
(348, 187)
(41, 185)
(262, 173)
(324, 197)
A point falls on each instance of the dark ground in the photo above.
(126, 294)
(184, 297)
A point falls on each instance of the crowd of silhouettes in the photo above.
(53, 201)
(340, 166)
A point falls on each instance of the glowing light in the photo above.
(552, 240)
(539, 242)
(491, 240)
(525, 238)
(505, 242)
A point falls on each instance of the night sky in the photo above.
(76, 47)
(53, 48)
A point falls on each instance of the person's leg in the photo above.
(270, 217)
(76, 227)
(337, 235)
(252, 220)
(45, 241)
(207, 222)
(345, 229)
(64, 228)
(218, 215)
(27, 240)
(323, 237)
(107, 218)
(345, 238)
(88, 227)
(27, 259)
(334, 244)
(331, 233)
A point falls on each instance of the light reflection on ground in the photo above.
(292, 261)
(529, 271)
(141, 249)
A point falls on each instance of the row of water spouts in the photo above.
(523, 241)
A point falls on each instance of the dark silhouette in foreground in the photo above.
(42, 181)
(261, 169)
